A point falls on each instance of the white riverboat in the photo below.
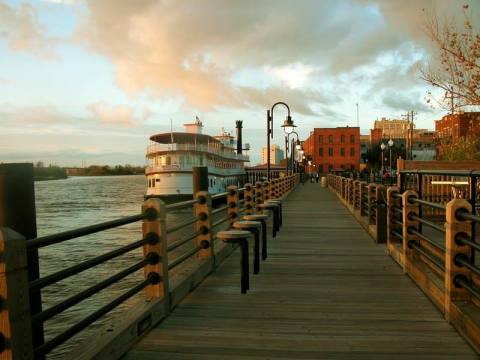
(171, 157)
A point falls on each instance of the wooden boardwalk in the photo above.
(326, 291)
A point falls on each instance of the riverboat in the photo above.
(171, 157)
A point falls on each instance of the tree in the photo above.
(458, 70)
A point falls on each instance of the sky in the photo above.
(88, 81)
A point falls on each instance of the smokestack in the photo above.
(239, 136)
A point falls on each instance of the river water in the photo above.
(79, 201)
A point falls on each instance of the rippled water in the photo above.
(80, 201)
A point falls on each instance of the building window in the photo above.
(320, 151)
(320, 168)
(352, 139)
(320, 139)
(342, 139)
(342, 151)
(352, 151)
(330, 151)
(330, 139)
(330, 167)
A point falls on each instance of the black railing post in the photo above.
(17, 212)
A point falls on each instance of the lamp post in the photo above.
(390, 146)
(294, 146)
(287, 127)
(382, 146)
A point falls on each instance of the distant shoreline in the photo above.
(50, 178)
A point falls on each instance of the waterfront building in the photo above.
(276, 155)
(333, 149)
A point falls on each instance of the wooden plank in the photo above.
(326, 291)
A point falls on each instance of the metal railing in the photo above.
(161, 257)
(220, 151)
(431, 236)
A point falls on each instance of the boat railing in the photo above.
(177, 167)
(222, 152)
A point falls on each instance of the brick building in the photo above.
(453, 128)
(333, 149)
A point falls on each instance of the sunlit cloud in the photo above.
(118, 114)
(293, 75)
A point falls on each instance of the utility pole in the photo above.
(358, 123)
(410, 116)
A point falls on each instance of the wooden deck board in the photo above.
(326, 291)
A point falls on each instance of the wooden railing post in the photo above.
(267, 188)
(371, 189)
(381, 217)
(155, 231)
(18, 212)
(409, 254)
(454, 227)
(356, 195)
(232, 202)
(203, 210)
(16, 341)
(273, 192)
(391, 202)
(363, 194)
(258, 195)
(248, 198)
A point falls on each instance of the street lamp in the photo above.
(390, 146)
(383, 149)
(287, 127)
(293, 147)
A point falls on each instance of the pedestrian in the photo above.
(317, 177)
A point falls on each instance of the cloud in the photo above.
(63, 2)
(22, 31)
(118, 114)
(193, 49)
(32, 116)
(403, 101)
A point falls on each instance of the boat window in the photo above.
(168, 160)
(153, 183)
(201, 160)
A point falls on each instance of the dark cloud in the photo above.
(403, 101)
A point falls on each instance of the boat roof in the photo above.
(183, 138)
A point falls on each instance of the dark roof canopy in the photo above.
(183, 138)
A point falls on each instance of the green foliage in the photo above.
(96, 170)
(51, 172)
